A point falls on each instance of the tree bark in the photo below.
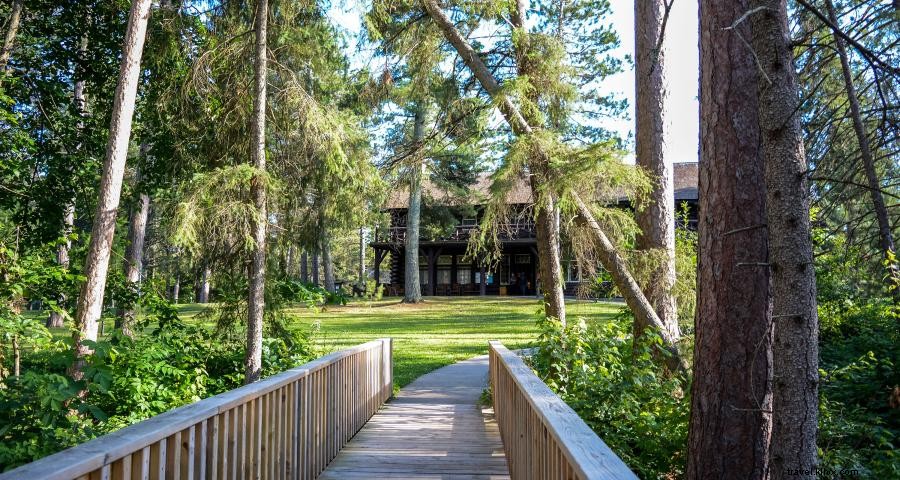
(412, 291)
(256, 301)
(134, 252)
(327, 262)
(657, 218)
(289, 268)
(795, 351)
(304, 267)
(546, 203)
(90, 300)
(15, 17)
(176, 285)
(62, 251)
(17, 357)
(362, 256)
(203, 294)
(548, 245)
(520, 127)
(731, 397)
(885, 235)
(637, 302)
(315, 266)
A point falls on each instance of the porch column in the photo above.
(482, 285)
(432, 271)
(379, 257)
(453, 280)
(537, 271)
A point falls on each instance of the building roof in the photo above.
(685, 183)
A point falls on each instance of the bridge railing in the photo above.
(288, 426)
(542, 436)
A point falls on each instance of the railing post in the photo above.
(387, 368)
(539, 431)
(290, 425)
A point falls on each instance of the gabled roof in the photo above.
(685, 183)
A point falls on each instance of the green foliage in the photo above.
(685, 289)
(859, 418)
(619, 391)
(127, 380)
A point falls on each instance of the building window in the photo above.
(445, 260)
(463, 275)
(423, 277)
(469, 222)
(443, 276)
(523, 259)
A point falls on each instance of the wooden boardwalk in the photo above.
(434, 429)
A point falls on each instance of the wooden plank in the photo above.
(415, 437)
(92, 456)
(583, 451)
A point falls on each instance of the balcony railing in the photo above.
(511, 231)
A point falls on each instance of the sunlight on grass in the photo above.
(427, 336)
(441, 331)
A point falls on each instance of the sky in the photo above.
(682, 61)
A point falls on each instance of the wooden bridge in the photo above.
(331, 419)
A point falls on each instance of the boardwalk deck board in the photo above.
(433, 429)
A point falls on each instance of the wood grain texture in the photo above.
(543, 437)
(288, 426)
(433, 429)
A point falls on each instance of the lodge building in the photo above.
(444, 268)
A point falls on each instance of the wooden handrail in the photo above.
(542, 436)
(289, 425)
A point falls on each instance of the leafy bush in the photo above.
(858, 424)
(128, 380)
(620, 392)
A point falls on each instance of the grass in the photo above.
(439, 332)
(429, 335)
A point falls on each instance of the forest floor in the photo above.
(427, 336)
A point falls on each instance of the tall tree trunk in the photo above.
(304, 267)
(315, 266)
(731, 396)
(636, 301)
(256, 301)
(795, 351)
(412, 291)
(17, 356)
(62, 251)
(362, 256)
(176, 285)
(134, 252)
(203, 295)
(289, 263)
(657, 218)
(521, 127)
(55, 320)
(90, 300)
(327, 263)
(12, 29)
(548, 245)
(546, 203)
(886, 238)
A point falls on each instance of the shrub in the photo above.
(619, 391)
(128, 380)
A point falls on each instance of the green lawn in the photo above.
(441, 331)
(438, 332)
